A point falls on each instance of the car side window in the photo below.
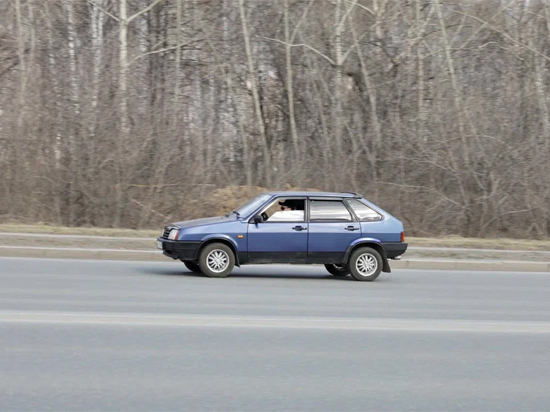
(287, 216)
(328, 210)
(285, 210)
(363, 212)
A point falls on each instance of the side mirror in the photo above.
(258, 219)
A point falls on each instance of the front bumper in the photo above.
(394, 249)
(179, 249)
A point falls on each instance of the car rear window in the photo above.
(332, 210)
(363, 212)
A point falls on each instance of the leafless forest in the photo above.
(128, 113)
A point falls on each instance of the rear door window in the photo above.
(328, 211)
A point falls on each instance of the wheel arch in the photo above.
(372, 243)
(226, 240)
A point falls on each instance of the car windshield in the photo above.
(252, 205)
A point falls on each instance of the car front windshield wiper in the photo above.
(237, 213)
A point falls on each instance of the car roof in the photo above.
(315, 194)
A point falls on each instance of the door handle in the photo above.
(351, 228)
(299, 228)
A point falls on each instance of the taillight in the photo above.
(402, 236)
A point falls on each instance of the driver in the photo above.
(289, 212)
(285, 207)
(288, 205)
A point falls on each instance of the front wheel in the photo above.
(216, 260)
(365, 264)
(337, 270)
(192, 266)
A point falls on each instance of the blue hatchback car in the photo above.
(343, 231)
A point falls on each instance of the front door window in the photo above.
(285, 210)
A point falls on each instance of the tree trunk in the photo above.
(123, 69)
(290, 87)
(123, 109)
(255, 96)
(337, 81)
(21, 109)
(177, 63)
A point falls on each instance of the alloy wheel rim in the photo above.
(366, 264)
(217, 261)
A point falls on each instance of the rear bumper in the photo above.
(394, 249)
(178, 249)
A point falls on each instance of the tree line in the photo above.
(126, 113)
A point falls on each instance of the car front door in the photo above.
(331, 229)
(282, 235)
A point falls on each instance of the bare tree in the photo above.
(131, 113)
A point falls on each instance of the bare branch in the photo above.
(103, 10)
(145, 10)
(350, 49)
(504, 34)
(361, 7)
(348, 12)
(300, 21)
(163, 50)
(324, 56)
(7, 69)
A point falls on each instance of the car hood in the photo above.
(201, 222)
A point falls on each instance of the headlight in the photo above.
(173, 234)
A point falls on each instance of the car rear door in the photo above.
(332, 228)
(279, 239)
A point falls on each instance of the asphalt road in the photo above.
(101, 335)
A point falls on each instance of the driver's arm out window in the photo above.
(287, 216)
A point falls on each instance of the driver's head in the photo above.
(285, 205)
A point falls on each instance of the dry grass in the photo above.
(220, 201)
(450, 241)
(477, 243)
(92, 231)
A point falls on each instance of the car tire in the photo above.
(216, 260)
(337, 270)
(192, 266)
(365, 264)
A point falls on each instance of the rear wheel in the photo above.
(337, 270)
(192, 266)
(216, 260)
(365, 264)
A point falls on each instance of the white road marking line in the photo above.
(375, 324)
